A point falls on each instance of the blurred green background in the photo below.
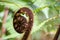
(46, 18)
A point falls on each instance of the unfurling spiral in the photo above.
(22, 24)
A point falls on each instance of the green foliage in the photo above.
(1, 7)
(0, 25)
(46, 16)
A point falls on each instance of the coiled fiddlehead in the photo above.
(21, 24)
